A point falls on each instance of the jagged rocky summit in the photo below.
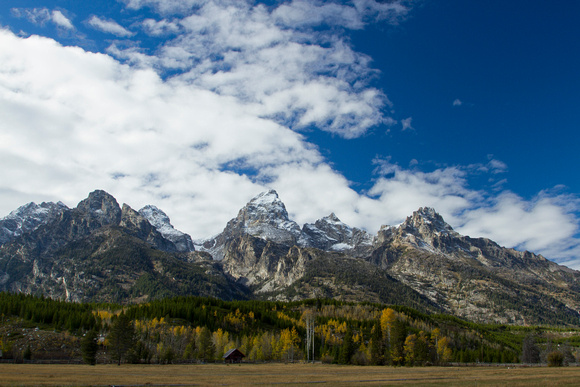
(100, 251)
(265, 217)
(162, 223)
(27, 218)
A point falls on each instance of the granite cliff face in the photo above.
(101, 251)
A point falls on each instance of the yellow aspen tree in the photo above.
(252, 354)
(159, 351)
(258, 349)
(388, 318)
(443, 351)
(295, 336)
(228, 344)
(246, 345)
(409, 349)
(267, 348)
(285, 344)
(218, 341)
(365, 351)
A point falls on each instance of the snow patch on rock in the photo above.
(162, 223)
(28, 218)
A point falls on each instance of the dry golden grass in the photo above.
(289, 374)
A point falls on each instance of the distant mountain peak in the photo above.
(32, 208)
(267, 203)
(330, 233)
(27, 218)
(102, 206)
(427, 220)
(162, 223)
(266, 216)
(263, 208)
(332, 218)
(155, 215)
(96, 199)
(428, 211)
(265, 197)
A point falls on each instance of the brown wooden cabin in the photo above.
(233, 356)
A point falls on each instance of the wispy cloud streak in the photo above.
(109, 26)
(41, 16)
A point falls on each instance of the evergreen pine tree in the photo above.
(206, 345)
(89, 347)
(121, 337)
(398, 337)
(377, 350)
(347, 349)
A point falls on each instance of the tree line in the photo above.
(200, 329)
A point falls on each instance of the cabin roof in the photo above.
(231, 351)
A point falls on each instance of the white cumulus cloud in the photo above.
(215, 114)
(135, 135)
(298, 77)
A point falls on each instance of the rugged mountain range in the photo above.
(100, 251)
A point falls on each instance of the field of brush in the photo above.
(280, 374)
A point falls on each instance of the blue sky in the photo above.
(366, 109)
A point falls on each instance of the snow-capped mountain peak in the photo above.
(162, 223)
(266, 205)
(330, 233)
(28, 218)
(156, 217)
(266, 198)
(265, 216)
(333, 225)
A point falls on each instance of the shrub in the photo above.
(27, 353)
(555, 359)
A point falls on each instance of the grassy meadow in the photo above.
(281, 374)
